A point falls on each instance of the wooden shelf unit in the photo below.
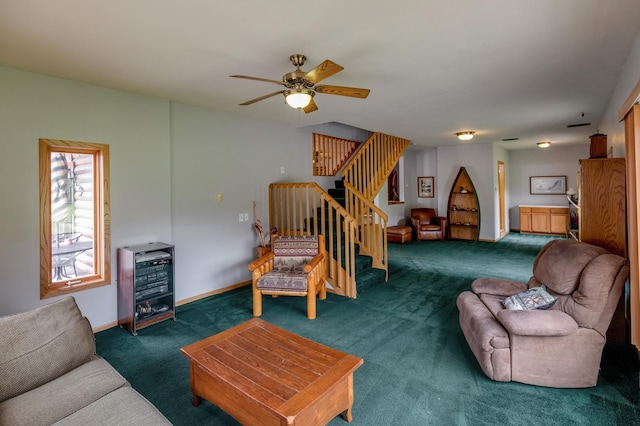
(463, 210)
(145, 282)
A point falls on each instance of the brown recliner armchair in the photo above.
(428, 225)
(558, 347)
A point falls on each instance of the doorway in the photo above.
(501, 191)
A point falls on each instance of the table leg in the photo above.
(196, 400)
(346, 414)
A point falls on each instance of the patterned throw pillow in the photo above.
(534, 298)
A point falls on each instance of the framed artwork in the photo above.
(547, 185)
(393, 187)
(425, 187)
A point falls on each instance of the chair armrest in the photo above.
(537, 323)
(441, 221)
(497, 286)
(260, 261)
(313, 263)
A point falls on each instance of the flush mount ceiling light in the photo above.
(298, 98)
(465, 136)
(544, 144)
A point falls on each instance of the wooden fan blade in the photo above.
(252, 101)
(311, 107)
(257, 79)
(343, 91)
(322, 71)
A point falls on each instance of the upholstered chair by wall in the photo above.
(427, 225)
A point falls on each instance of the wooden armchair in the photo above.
(296, 266)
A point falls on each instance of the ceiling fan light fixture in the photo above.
(299, 98)
(544, 144)
(465, 136)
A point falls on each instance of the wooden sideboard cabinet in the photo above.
(544, 219)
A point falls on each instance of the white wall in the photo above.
(629, 77)
(215, 152)
(553, 161)
(137, 130)
(477, 159)
(168, 161)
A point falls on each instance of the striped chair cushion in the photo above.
(290, 256)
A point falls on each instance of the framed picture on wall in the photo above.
(547, 185)
(425, 187)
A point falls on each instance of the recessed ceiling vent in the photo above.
(578, 125)
(510, 139)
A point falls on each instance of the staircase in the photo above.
(354, 228)
(366, 275)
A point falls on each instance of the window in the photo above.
(75, 249)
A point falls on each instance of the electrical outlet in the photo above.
(246, 217)
(281, 170)
(218, 198)
(241, 218)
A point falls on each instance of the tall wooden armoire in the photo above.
(603, 219)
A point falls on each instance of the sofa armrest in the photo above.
(537, 323)
(497, 286)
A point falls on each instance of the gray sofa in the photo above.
(51, 373)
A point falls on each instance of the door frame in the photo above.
(501, 201)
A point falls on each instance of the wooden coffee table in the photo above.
(263, 375)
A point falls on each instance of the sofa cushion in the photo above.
(294, 264)
(533, 298)
(300, 245)
(283, 281)
(62, 396)
(41, 345)
(124, 406)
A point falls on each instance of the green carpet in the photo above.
(418, 369)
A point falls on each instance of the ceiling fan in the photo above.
(301, 86)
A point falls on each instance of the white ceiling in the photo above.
(504, 68)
